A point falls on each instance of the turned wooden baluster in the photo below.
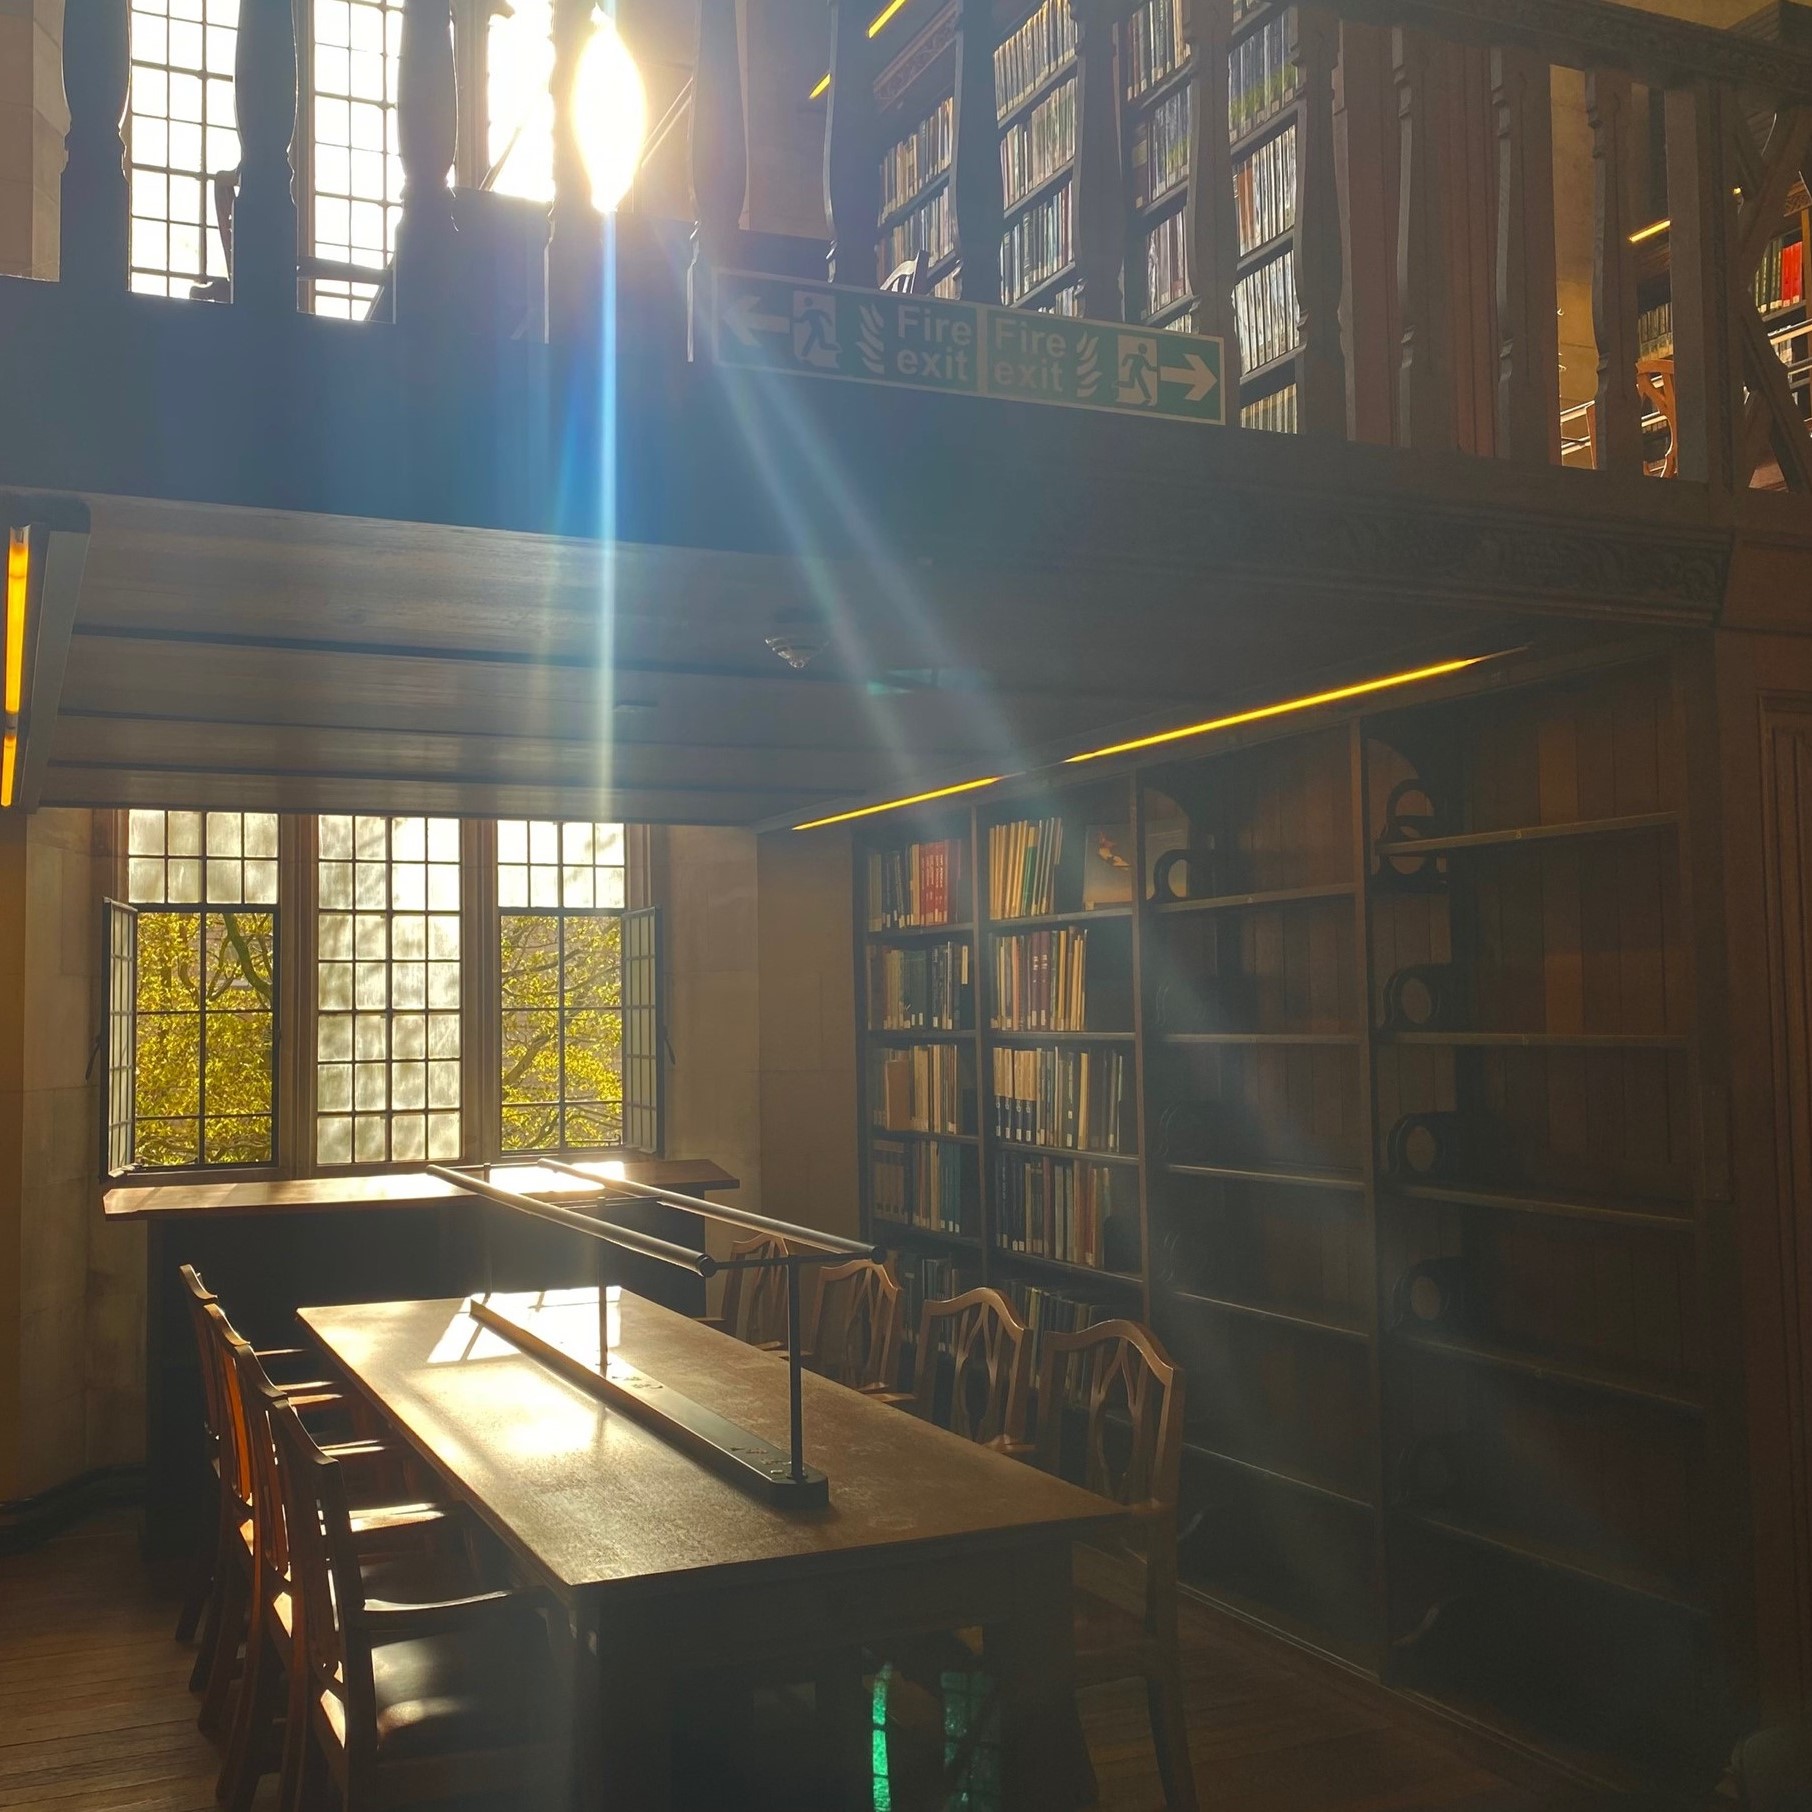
(1708, 391)
(1210, 224)
(975, 155)
(1100, 197)
(96, 202)
(1528, 361)
(852, 171)
(720, 154)
(1425, 402)
(1617, 410)
(1321, 366)
(427, 127)
(264, 211)
(574, 242)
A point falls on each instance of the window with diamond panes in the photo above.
(202, 989)
(560, 894)
(355, 157)
(180, 132)
(387, 1075)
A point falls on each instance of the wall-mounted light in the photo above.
(12, 675)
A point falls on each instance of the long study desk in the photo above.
(667, 1569)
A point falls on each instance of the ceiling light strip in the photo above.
(876, 26)
(894, 805)
(12, 684)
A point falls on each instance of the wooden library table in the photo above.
(667, 1569)
(267, 1246)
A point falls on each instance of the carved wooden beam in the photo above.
(1617, 409)
(1100, 197)
(1210, 225)
(975, 155)
(852, 178)
(427, 123)
(1425, 400)
(96, 203)
(1320, 255)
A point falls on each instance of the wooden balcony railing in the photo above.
(1410, 111)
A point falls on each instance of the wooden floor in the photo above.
(94, 1711)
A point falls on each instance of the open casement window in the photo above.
(644, 1033)
(190, 1037)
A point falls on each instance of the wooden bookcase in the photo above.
(1407, 1004)
(1264, 89)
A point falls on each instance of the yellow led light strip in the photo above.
(1358, 690)
(12, 690)
(894, 805)
(875, 27)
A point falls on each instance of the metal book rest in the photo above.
(755, 1464)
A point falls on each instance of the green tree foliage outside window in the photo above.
(204, 1012)
(562, 978)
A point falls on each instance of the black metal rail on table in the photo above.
(747, 1458)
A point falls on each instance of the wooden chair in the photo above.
(396, 1557)
(1131, 1402)
(856, 1328)
(754, 1304)
(289, 1363)
(990, 1372)
(402, 1704)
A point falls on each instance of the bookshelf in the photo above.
(1361, 1060)
(1263, 93)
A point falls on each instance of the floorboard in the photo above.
(95, 1715)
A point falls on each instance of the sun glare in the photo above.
(612, 107)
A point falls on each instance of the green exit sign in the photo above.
(925, 343)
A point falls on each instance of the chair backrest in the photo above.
(857, 1335)
(235, 1442)
(1130, 1394)
(329, 1591)
(259, 1400)
(197, 1295)
(754, 1306)
(990, 1356)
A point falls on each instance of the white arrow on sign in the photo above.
(745, 323)
(1194, 373)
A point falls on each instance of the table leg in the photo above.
(627, 1756)
(1032, 1655)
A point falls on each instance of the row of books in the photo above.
(1037, 245)
(1041, 981)
(1166, 266)
(1051, 1209)
(1264, 306)
(930, 229)
(1275, 413)
(923, 1185)
(1022, 867)
(1065, 301)
(922, 154)
(1780, 280)
(924, 1280)
(1080, 1100)
(1264, 191)
(1655, 330)
(1055, 1312)
(921, 990)
(922, 1090)
(1261, 78)
(1034, 149)
(921, 884)
(1160, 148)
(1044, 42)
(1154, 44)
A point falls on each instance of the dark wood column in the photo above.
(428, 135)
(1210, 228)
(1321, 372)
(1617, 413)
(1425, 402)
(574, 244)
(852, 171)
(720, 152)
(96, 202)
(975, 155)
(1100, 197)
(1528, 366)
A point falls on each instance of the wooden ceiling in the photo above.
(254, 658)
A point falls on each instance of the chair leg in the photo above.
(254, 1723)
(298, 1740)
(195, 1594)
(1170, 1737)
(235, 1599)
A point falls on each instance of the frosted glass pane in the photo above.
(408, 840)
(371, 839)
(145, 834)
(183, 881)
(512, 840)
(369, 1036)
(443, 1085)
(224, 886)
(368, 1086)
(226, 835)
(333, 1088)
(369, 935)
(443, 985)
(443, 1136)
(336, 884)
(333, 988)
(261, 883)
(333, 1140)
(408, 1139)
(409, 1035)
(185, 833)
(443, 887)
(261, 833)
(145, 879)
(512, 887)
(443, 839)
(335, 836)
(333, 1040)
(333, 936)
(368, 1139)
(408, 887)
(409, 1085)
(544, 841)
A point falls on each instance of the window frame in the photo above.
(295, 1029)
